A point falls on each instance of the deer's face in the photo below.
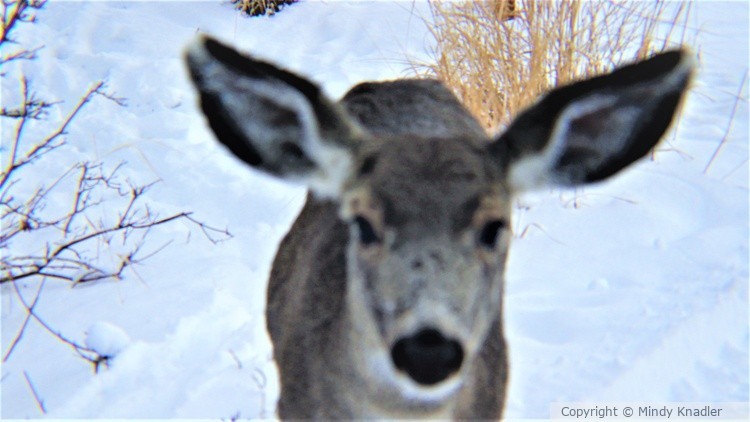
(428, 212)
(429, 234)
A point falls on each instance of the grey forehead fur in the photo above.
(434, 183)
(422, 107)
(430, 148)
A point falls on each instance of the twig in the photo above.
(25, 322)
(20, 55)
(236, 359)
(32, 108)
(39, 401)
(80, 350)
(77, 199)
(15, 15)
(260, 378)
(737, 167)
(40, 267)
(17, 135)
(729, 125)
(529, 226)
(47, 142)
(207, 230)
(578, 198)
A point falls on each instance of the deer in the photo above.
(385, 298)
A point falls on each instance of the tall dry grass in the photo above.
(499, 56)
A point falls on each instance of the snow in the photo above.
(106, 339)
(632, 290)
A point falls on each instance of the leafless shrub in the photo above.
(76, 224)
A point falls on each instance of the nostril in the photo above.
(427, 357)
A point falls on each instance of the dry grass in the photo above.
(499, 56)
(261, 7)
(737, 99)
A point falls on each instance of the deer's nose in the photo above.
(428, 357)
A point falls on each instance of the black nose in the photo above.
(427, 357)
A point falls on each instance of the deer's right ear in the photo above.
(272, 119)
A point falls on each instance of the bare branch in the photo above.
(41, 264)
(77, 200)
(20, 55)
(12, 15)
(25, 323)
(208, 231)
(80, 350)
(33, 108)
(14, 12)
(17, 135)
(122, 102)
(39, 401)
(47, 143)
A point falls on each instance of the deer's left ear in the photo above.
(590, 130)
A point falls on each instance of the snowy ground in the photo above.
(634, 290)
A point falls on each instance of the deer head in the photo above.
(425, 191)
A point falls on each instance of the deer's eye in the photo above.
(367, 235)
(490, 232)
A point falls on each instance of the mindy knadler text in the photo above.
(671, 411)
